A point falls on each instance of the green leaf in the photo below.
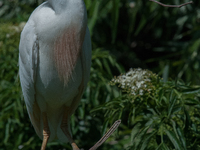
(139, 138)
(172, 103)
(96, 109)
(147, 139)
(191, 90)
(115, 17)
(162, 146)
(107, 67)
(160, 94)
(174, 127)
(94, 18)
(105, 125)
(135, 131)
(173, 139)
(181, 136)
(141, 25)
(191, 101)
(98, 62)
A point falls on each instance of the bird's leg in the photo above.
(64, 126)
(46, 131)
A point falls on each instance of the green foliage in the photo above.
(13, 120)
(147, 35)
(11, 106)
(97, 93)
(17, 131)
(12, 9)
(167, 118)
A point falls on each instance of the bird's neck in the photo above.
(61, 5)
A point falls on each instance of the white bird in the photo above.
(54, 66)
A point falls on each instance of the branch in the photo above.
(175, 6)
(107, 135)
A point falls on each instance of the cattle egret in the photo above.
(54, 66)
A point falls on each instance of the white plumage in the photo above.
(54, 64)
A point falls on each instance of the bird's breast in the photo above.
(66, 50)
(51, 90)
(64, 35)
(60, 39)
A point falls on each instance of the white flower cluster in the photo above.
(135, 81)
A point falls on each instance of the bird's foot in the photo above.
(74, 146)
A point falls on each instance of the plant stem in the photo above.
(174, 6)
(107, 135)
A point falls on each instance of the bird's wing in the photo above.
(86, 57)
(28, 62)
(86, 65)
